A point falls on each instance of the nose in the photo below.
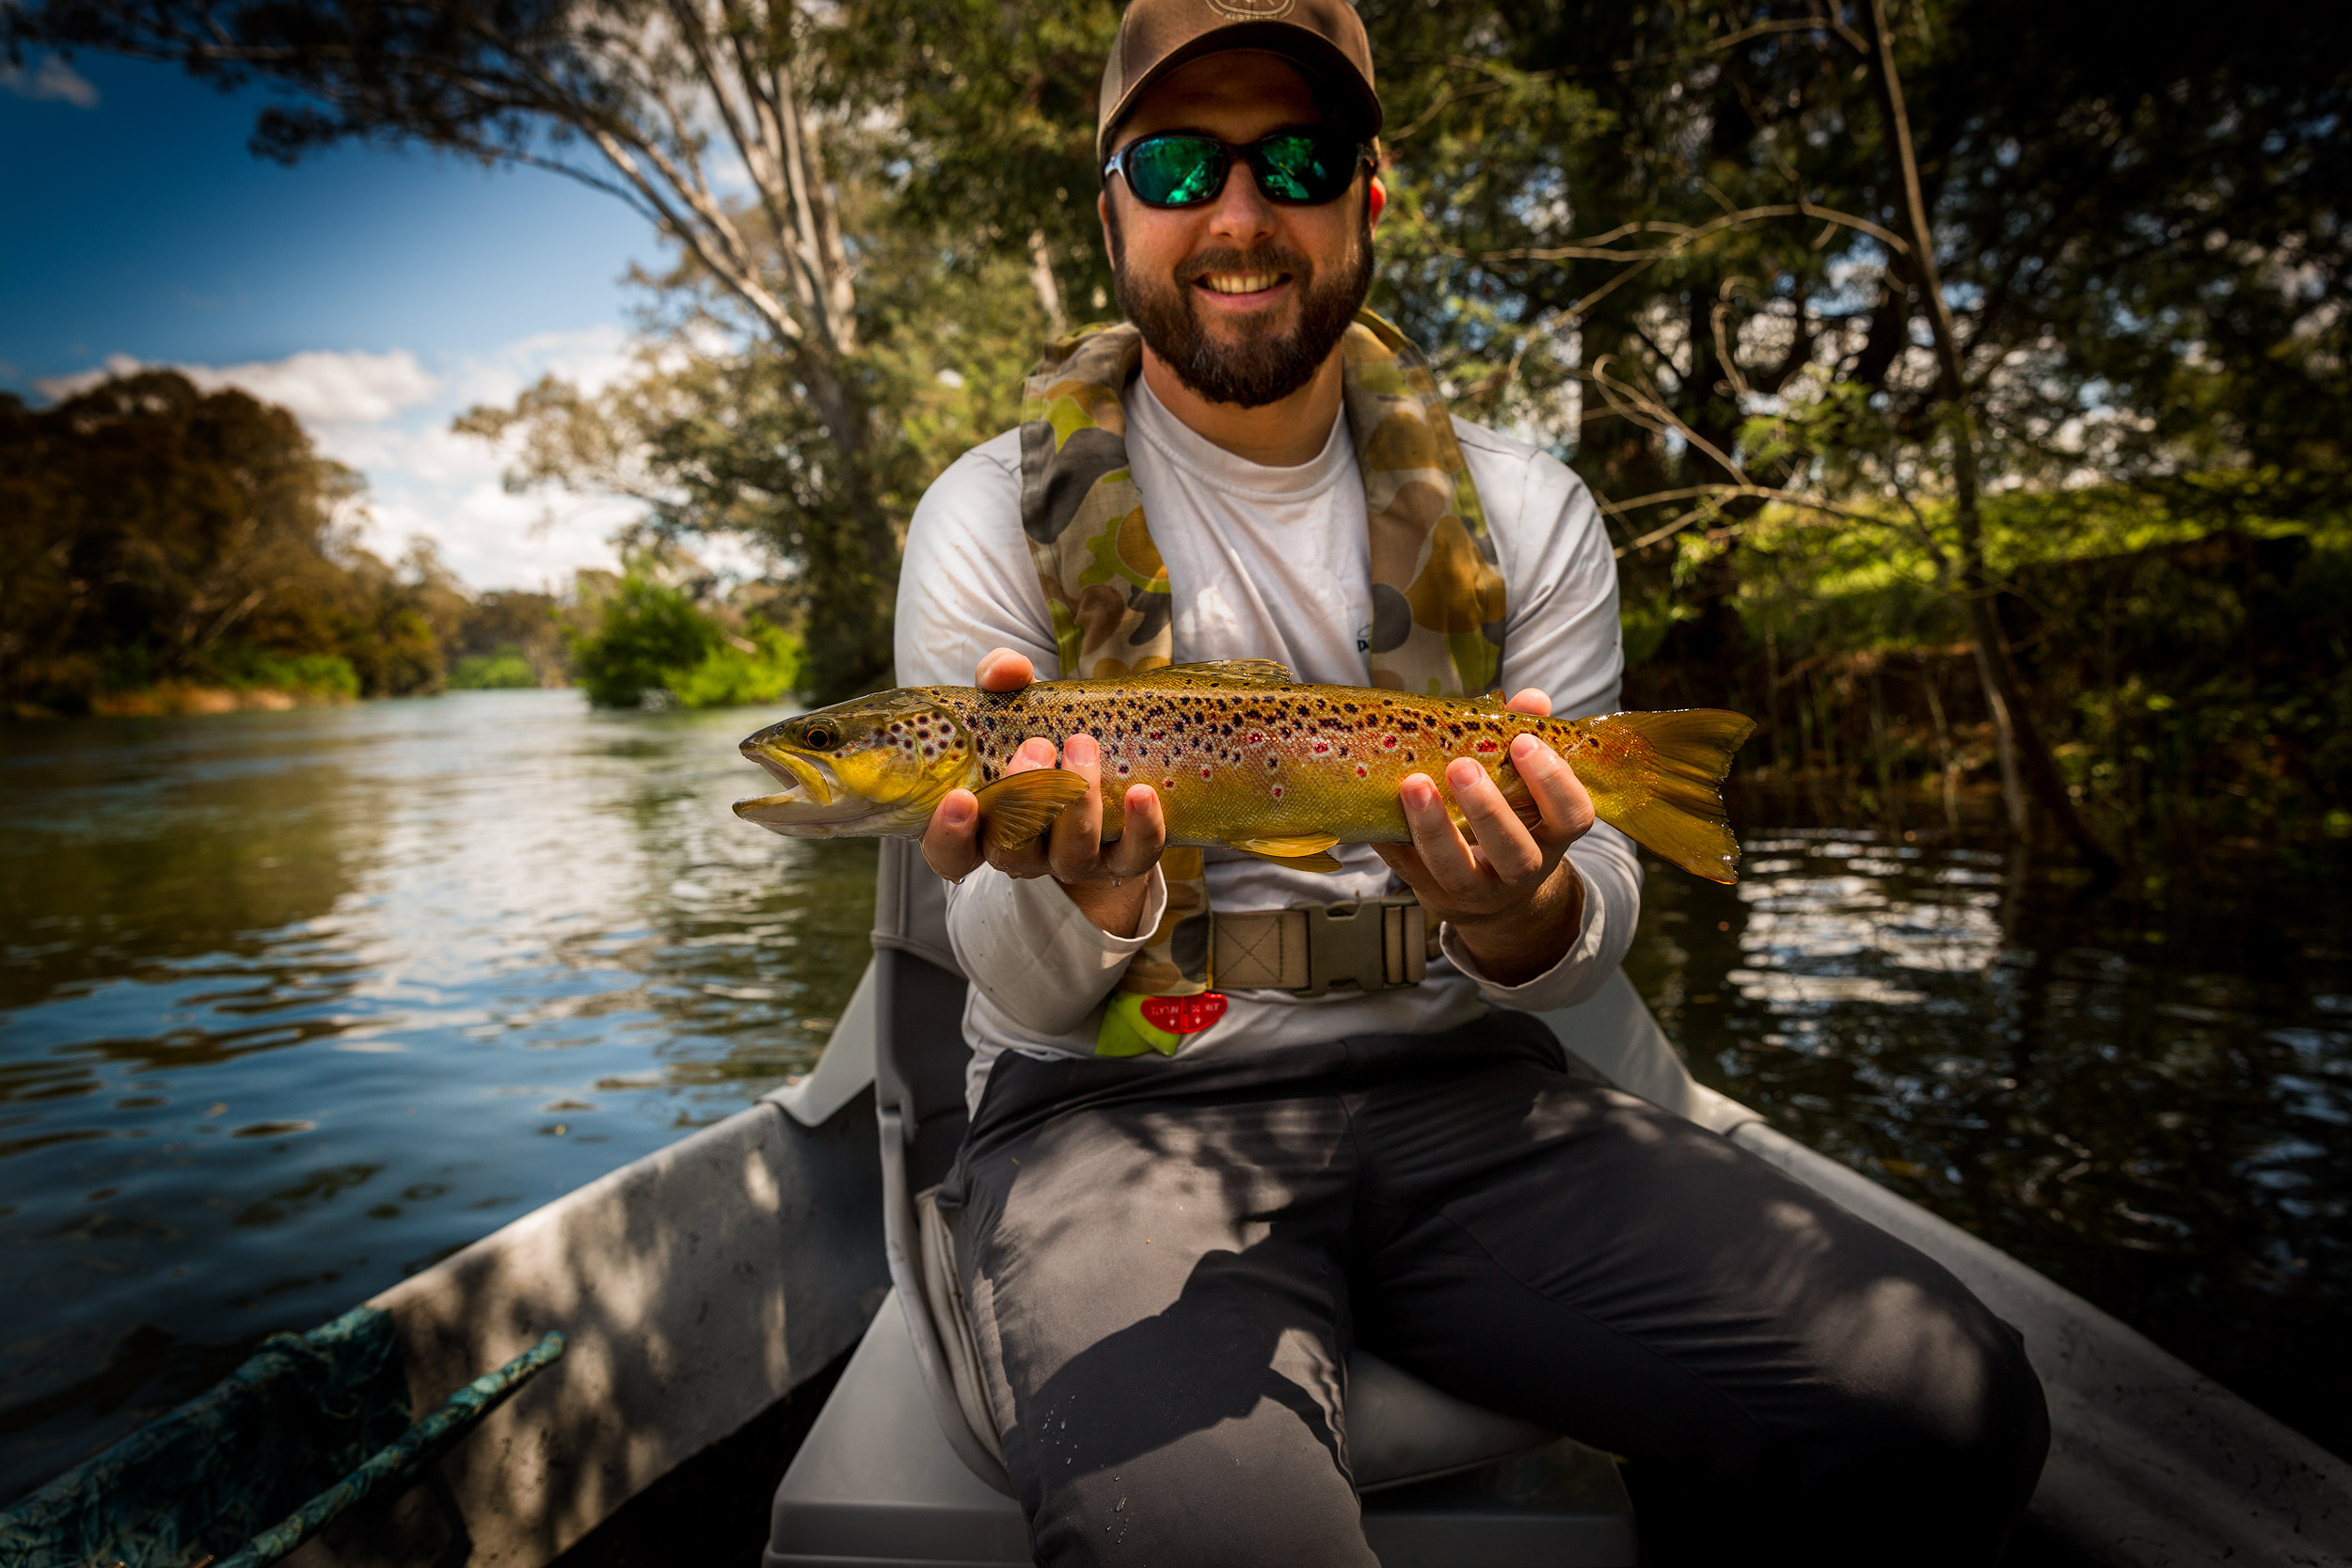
(1241, 215)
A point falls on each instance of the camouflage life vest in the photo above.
(1436, 591)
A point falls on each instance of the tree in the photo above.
(160, 533)
(660, 103)
(2101, 260)
(152, 526)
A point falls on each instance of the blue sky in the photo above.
(375, 291)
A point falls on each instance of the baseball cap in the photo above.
(1323, 38)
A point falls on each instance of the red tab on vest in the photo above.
(1184, 1015)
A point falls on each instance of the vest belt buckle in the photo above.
(1371, 942)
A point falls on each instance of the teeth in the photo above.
(1240, 282)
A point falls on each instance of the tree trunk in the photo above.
(1048, 290)
(2002, 690)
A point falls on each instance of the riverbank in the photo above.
(181, 699)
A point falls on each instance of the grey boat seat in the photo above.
(895, 1471)
(876, 1485)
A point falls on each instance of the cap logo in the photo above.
(1253, 10)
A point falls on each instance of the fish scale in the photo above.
(1241, 755)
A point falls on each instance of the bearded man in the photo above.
(1168, 1256)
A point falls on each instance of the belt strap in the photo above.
(1372, 943)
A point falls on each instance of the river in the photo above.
(293, 1005)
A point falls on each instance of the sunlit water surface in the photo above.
(293, 1005)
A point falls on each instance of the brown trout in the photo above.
(1242, 757)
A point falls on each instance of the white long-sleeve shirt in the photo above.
(1263, 563)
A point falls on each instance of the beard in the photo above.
(1266, 366)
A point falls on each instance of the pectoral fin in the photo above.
(1019, 806)
(1305, 852)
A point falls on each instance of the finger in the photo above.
(1036, 751)
(1532, 701)
(952, 840)
(1451, 866)
(1558, 793)
(1025, 862)
(1406, 863)
(1074, 851)
(1003, 670)
(1503, 839)
(1141, 837)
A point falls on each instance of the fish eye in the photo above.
(820, 737)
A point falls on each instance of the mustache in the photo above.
(1264, 258)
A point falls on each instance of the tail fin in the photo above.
(1674, 803)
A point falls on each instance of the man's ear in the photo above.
(1376, 202)
(1103, 215)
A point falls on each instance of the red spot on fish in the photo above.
(1389, 742)
(1278, 792)
(1255, 737)
(1321, 747)
(1488, 746)
(1205, 772)
(1361, 771)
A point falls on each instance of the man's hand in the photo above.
(1512, 897)
(1107, 882)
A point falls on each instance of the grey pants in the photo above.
(1167, 1261)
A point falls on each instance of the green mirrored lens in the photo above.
(1299, 167)
(1175, 171)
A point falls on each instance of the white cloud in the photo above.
(388, 416)
(318, 387)
(53, 81)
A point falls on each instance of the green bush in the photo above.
(504, 670)
(728, 676)
(242, 667)
(653, 647)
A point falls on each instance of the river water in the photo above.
(293, 1004)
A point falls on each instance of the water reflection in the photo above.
(2143, 1093)
(291, 1003)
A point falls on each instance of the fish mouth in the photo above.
(814, 802)
(807, 782)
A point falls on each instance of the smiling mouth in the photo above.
(1241, 282)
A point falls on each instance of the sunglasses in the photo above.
(1183, 168)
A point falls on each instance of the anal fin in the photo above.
(1019, 806)
(1302, 852)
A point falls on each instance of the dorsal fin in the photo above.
(1227, 671)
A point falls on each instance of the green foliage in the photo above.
(243, 667)
(158, 534)
(506, 670)
(652, 646)
(2191, 636)
(759, 665)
